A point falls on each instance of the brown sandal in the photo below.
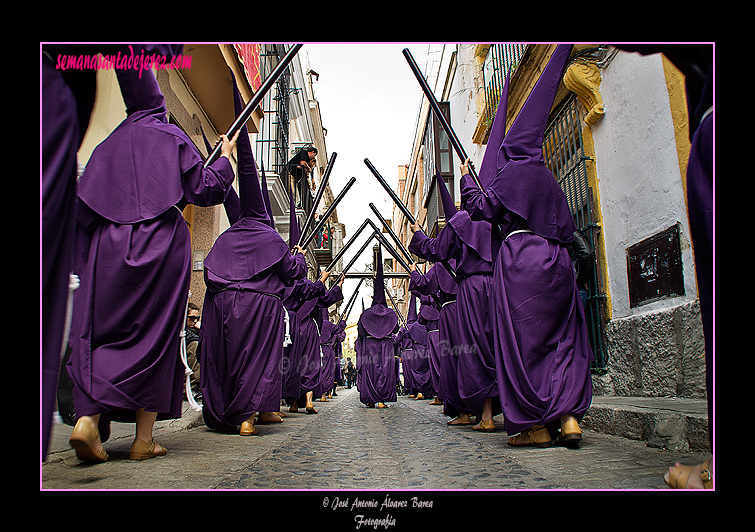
(535, 438)
(678, 476)
(269, 417)
(461, 420)
(571, 434)
(485, 425)
(248, 428)
(83, 439)
(143, 450)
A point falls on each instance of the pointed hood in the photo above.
(250, 245)
(250, 193)
(266, 198)
(232, 204)
(449, 207)
(141, 94)
(378, 297)
(525, 137)
(294, 231)
(522, 182)
(489, 166)
(379, 321)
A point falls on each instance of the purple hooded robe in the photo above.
(67, 100)
(246, 272)
(419, 353)
(541, 342)
(133, 257)
(438, 281)
(310, 321)
(470, 243)
(327, 348)
(377, 365)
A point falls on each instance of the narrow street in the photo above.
(348, 446)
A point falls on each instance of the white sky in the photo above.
(369, 102)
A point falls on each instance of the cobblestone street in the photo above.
(349, 446)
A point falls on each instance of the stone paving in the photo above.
(348, 446)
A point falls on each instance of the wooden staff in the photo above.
(441, 118)
(318, 197)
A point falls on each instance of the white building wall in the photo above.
(639, 180)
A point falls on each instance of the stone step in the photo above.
(663, 422)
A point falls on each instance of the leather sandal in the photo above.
(485, 425)
(83, 439)
(678, 476)
(311, 409)
(535, 438)
(381, 405)
(294, 407)
(143, 450)
(248, 428)
(571, 434)
(269, 417)
(461, 419)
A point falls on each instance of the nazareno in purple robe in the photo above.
(406, 344)
(470, 244)
(133, 257)
(67, 100)
(541, 342)
(429, 315)
(420, 354)
(310, 321)
(302, 291)
(328, 339)
(403, 344)
(339, 351)
(241, 339)
(437, 280)
(377, 363)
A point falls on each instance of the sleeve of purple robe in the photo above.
(291, 267)
(479, 206)
(204, 186)
(306, 289)
(424, 284)
(445, 246)
(331, 296)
